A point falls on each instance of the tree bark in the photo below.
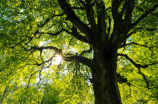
(105, 86)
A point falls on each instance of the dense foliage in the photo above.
(33, 32)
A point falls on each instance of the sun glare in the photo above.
(58, 60)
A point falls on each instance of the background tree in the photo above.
(99, 41)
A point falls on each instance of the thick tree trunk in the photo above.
(105, 86)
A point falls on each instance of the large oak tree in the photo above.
(113, 42)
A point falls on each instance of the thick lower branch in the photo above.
(81, 59)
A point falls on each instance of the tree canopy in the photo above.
(108, 51)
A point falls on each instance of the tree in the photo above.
(109, 40)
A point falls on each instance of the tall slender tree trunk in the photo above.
(105, 86)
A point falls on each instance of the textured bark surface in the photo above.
(105, 86)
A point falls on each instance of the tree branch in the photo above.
(138, 45)
(117, 21)
(135, 64)
(53, 34)
(73, 18)
(90, 14)
(109, 28)
(127, 21)
(124, 8)
(140, 28)
(81, 8)
(101, 25)
(40, 26)
(144, 15)
(75, 34)
(48, 19)
(82, 2)
(115, 6)
(138, 66)
(121, 79)
(86, 51)
(81, 59)
(41, 48)
(145, 10)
